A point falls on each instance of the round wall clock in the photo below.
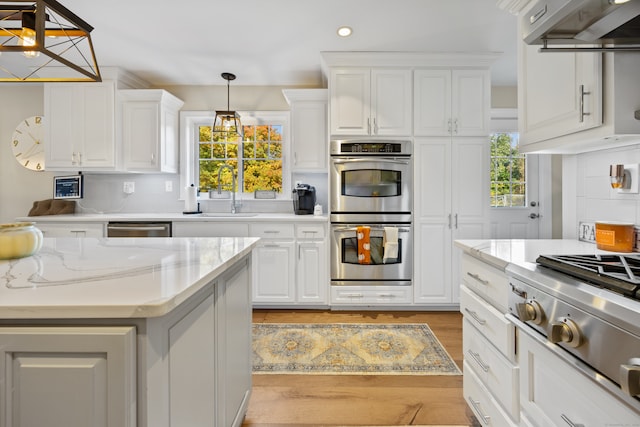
(27, 143)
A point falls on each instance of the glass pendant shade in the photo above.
(227, 122)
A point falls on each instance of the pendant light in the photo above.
(43, 41)
(227, 123)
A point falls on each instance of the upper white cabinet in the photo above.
(308, 129)
(451, 102)
(370, 101)
(150, 119)
(572, 102)
(80, 126)
(559, 93)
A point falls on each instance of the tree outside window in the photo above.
(508, 171)
(256, 160)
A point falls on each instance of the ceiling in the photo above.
(278, 42)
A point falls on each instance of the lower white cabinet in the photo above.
(372, 295)
(274, 272)
(72, 376)
(312, 278)
(209, 229)
(189, 367)
(486, 409)
(71, 229)
(552, 393)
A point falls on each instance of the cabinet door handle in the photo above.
(569, 422)
(375, 126)
(455, 222)
(449, 222)
(476, 407)
(478, 278)
(455, 126)
(475, 316)
(479, 361)
(449, 126)
(582, 95)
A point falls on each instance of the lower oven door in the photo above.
(346, 270)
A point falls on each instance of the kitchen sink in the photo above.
(230, 215)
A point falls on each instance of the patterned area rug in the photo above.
(363, 349)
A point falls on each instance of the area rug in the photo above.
(347, 348)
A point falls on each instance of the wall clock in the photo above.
(27, 143)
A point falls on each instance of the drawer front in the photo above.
(485, 408)
(491, 283)
(310, 231)
(496, 372)
(378, 295)
(489, 321)
(272, 231)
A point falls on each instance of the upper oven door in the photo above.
(370, 184)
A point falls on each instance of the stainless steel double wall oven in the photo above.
(370, 185)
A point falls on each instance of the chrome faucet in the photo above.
(233, 186)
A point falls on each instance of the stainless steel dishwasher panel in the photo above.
(139, 229)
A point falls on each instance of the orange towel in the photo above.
(364, 244)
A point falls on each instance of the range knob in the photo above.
(630, 377)
(565, 330)
(530, 311)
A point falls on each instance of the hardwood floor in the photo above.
(352, 400)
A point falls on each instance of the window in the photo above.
(257, 160)
(508, 171)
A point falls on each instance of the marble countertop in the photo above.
(523, 252)
(151, 216)
(113, 278)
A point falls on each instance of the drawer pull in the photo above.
(475, 316)
(569, 422)
(476, 407)
(478, 278)
(386, 296)
(271, 232)
(478, 359)
(354, 296)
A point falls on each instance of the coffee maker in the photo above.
(304, 199)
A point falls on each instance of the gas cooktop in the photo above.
(617, 272)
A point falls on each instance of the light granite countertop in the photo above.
(151, 216)
(523, 252)
(113, 278)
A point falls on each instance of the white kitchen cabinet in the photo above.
(274, 263)
(209, 229)
(552, 393)
(489, 344)
(312, 267)
(150, 140)
(451, 102)
(558, 93)
(370, 101)
(71, 229)
(80, 126)
(451, 182)
(358, 296)
(309, 138)
(71, 376)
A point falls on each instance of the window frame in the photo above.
(189, 157)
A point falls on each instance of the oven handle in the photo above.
(369, 159)
(611, 387)
(341, 229)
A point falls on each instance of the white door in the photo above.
(517, 222)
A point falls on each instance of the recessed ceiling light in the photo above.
(344, 31)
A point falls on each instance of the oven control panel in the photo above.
(399, 148)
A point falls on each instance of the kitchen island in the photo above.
(127, 332)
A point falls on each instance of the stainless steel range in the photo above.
(588, 308)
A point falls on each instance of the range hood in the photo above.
(595, 25)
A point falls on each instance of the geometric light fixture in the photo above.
(227, 122)
(43, 41)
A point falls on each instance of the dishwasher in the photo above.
(139, 229)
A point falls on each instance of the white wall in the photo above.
(19, 187)
(587, 194)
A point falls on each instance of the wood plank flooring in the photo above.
(366, 400)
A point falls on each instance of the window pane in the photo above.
(262, 175)
(508, 171)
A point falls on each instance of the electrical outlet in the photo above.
(129, 187)
(168, 186)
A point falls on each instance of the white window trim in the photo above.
(188, 155)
